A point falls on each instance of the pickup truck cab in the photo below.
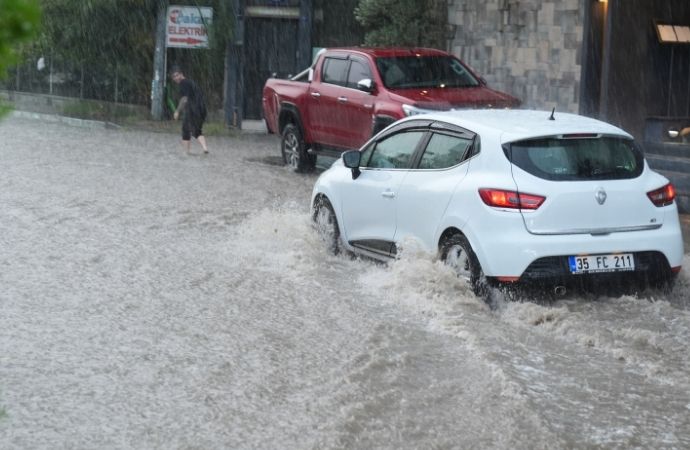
(350, 94)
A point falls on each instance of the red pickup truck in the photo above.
(350, 94)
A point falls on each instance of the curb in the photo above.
(63, 119)
(252, 126)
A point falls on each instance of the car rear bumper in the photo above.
(508, 251)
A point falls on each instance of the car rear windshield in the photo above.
(402, 72)
(567, 159)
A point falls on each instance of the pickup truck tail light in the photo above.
(510, 199)
(663, 196)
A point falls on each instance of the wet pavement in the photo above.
(153, 299)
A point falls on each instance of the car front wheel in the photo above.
(294, 150)
(326, 224)
(457, 254)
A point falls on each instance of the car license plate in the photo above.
(619, 262)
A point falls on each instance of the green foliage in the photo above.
(110, 40)
(403, 22)
(19, 20)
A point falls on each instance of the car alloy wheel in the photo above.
(326, 224)
(294, 150)
(457, 254)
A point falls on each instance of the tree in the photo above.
(19, 20)
(111, 39)
(112, 42)
(403, 22)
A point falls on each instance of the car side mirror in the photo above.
(366, 85)
(351, 159)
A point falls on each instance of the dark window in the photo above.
(272, 2)
(359, 70)
(335, 71)
(444, 151)
(393, 152)
(413, 71)
(604, 158)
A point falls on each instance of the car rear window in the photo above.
(444, 151)
(567, 159)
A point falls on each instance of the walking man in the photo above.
(193, 110)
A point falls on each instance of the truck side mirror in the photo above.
(366, 85)
(351, 159)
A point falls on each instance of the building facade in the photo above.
(529, 48)
(623, 61)
(599, 58)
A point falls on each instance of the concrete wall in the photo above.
(528, 48)
(70, 106)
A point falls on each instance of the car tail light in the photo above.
(510, 199)
(662, 196)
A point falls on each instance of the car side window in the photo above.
(444, 151)
(359, 70)
(335, 71)
(394, 152)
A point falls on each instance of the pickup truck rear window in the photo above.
(408, 72)
(573, 159)
(335, 71)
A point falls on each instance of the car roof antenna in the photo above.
(552, 111)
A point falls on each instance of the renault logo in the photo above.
(600, 196)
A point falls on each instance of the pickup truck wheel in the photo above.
(294, 150)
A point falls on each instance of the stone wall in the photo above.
(528, 48)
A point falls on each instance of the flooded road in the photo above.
(152, 299)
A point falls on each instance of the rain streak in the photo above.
(153, 299)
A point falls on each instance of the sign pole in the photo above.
(159, 63)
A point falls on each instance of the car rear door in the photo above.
(369, 201)
(357, 105)
(326, 115)
(427, 190)
(328, 97)
(592, 184)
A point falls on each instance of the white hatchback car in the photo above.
(505, 197)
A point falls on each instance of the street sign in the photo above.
(187, 26)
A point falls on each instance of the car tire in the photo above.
(457, 253)
(294, 150)
(326, 224)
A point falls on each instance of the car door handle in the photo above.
(342, 99)
(388, 194)
(315, 94)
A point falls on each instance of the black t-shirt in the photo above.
(195, 107)
(187, 89)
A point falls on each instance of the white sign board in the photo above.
(187, 26)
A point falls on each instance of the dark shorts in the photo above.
(191, 128)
